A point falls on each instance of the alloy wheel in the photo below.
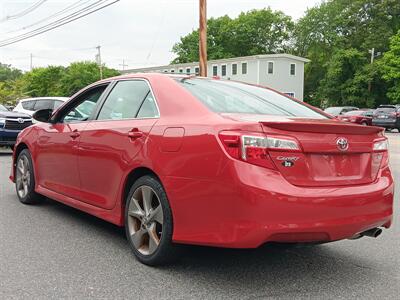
(23, 176)
(145, 220)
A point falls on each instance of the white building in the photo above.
(283, 72)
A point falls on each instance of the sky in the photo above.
(139, 32)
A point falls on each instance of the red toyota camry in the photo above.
(189, 160)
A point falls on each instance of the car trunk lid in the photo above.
(332, 152)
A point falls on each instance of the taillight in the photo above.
(381, 153)
(255, 148)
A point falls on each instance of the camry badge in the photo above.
(342, 144)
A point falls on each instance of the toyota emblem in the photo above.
(342, 144)
(20, 120)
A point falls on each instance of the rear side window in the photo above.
(125, 100)
(43, 104)
(234, 97)
(28, 105)
(148, 108)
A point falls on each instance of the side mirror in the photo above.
(43, 115)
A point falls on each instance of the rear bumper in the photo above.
(259, 206)
(386, 124)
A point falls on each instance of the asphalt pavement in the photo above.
(53, 251)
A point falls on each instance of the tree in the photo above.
(254, 32)
(43, 81)
(8, 73)
(80, 74)
(343, 25)
(391, 68)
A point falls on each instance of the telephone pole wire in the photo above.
(203, 38)
(98, 59)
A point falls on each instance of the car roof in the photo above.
(64, 99)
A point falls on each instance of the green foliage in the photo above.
(8, 73)
(332, 31)
(254, 32)
(48, 81)
(335, 35)
(80, 74)
(43, 81)
(391, 68)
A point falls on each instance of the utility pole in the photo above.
(372, 51)
(373, 55)
(98, 59)
(123, 65)
(203, 38)
(31, 58)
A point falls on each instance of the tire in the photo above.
(148, 223)
(25, 179)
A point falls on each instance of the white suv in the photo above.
(30, 105)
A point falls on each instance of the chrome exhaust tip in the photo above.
(374, 232)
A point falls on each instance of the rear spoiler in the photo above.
(322, 127)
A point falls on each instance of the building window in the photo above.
(290, 94)
(188, 70)
(244, 68)
(234, 69)
(180, 70)
(292, 69)
(215, 70)
(197, 70)
(270, 67)
(223, 70)
(172, 71)
(165, 71)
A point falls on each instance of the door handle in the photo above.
(74, 134)
(135, 134)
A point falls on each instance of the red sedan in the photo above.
(189, 160)
(362, 117)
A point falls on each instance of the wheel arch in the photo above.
(21, 146)
(130, 179)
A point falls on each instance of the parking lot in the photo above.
(53, 251)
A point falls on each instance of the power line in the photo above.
(56, 24)
(75, 13)
(24, 12)
(66, 9)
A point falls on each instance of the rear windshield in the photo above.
(333, 110)
(234, 97)
(385, 109)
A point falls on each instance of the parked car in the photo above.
(30, 105)
(362, 117)
(11, 123)
(339, 110)
(387, 116)
(188, 160)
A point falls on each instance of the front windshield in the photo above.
(234, 97)
(2, 108)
